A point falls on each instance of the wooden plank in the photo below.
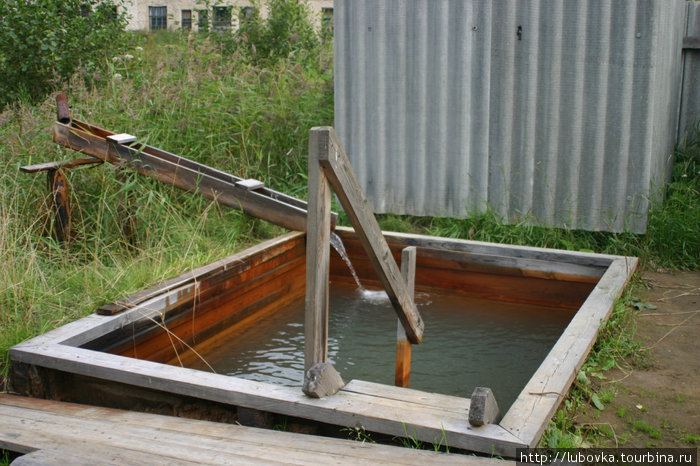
(288, 294)
(62, 109)
(505, 288)
(49, 429)
(195, 180)
(493, 264)
(402, 377)
(318, 253)
(453, 404)
(212, 306)
(59, 457)
(227, 318)
(81, 453)
(528, 416)
(482, 247)
(346, 409)
(182, 161)
(40, 167)
(146, 337)
(459, 259)
(342, 178)
(82, 331)
(238, 438)
(60, 204)
(247, 259)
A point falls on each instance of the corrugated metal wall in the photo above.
(690, 100)
(561, 112)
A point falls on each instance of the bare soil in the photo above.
(657, 402)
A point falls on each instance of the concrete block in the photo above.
(483, 408)
(322, 380)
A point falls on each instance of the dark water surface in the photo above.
(467, 343)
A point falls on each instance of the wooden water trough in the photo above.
(119, 358)
(130, 354)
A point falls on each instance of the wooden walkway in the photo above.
(52, 432)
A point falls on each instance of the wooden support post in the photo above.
(338, 170)
(60, 203)
(62, 109)
(403, 346)
(320, 378)
(318, 230)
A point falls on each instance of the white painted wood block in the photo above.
(250, 184)
(122, 138)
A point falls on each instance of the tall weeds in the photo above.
(178, 94)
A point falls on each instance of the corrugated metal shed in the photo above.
(559, 112)
(690, 100)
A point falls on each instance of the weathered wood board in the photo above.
(109, 436)
(40, 167)
(341, 177)
(317, 259)
(183, 173)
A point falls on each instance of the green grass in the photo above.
(615, 347)
(643, 426)
(185, 98)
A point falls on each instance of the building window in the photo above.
(158, 16)
(186, 19)
(222, 17)
(247, 13)
(203, 20)
(327, 22)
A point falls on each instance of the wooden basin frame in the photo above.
(500, 272)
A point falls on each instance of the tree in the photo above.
(44, 42)
(286, 30)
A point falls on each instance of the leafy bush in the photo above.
(43, 42)
(286, 31)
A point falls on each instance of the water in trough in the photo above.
(468, 342)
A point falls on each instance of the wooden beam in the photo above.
(109, 436)
(403, 346)
(60, 202)
(62, 109)
(40, 167)
(318, 232)
(528, 416)
(223, 269)
(337, 168)
(184, 174)
(553, 256)
(187, 163)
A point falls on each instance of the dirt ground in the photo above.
(657, 403)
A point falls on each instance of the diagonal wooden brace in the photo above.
(337, 169)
